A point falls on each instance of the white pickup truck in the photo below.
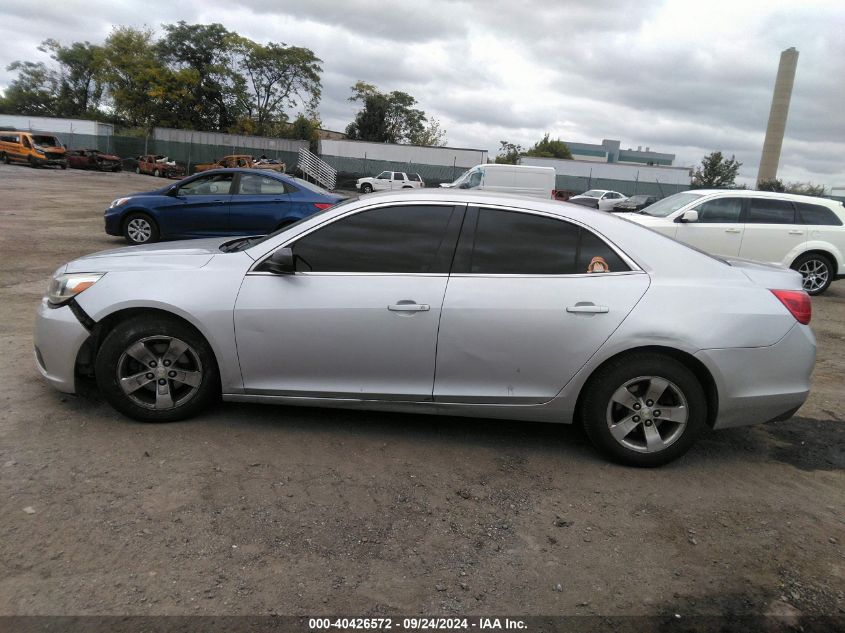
(388, 180)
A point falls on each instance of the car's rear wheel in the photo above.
(644, 410)
(139, 228)
(156, 173)
(157, 369)
(816, 272)
(366, 188)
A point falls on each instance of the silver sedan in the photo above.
(444, 302)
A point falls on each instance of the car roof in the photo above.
(245, 170)
(754, 193)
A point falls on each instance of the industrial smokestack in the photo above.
(777, 115)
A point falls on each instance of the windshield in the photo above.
(243, 243)
(45, 141)
(667, 206)
(461, 178)
(593, 193)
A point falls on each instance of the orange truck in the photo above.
(39, 149)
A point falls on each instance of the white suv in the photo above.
(388, 180)
(798, 232)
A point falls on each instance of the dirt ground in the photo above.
(257, 510)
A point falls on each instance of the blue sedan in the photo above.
(219, 202)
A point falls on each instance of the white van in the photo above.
(524, 180)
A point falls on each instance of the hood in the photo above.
(153, 192)
(643, 218)
(160, 256)
(447, 185)
(580, 197)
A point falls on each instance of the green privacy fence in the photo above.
(580, 184)
(350, 169)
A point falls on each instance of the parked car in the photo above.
(93, 159)
(219, 202)
(634, 203)
(242, 160)
(388, 180)
(529, 309)
(158, 165)
(604, 198)
(522, 180)
(799, 232)
(34, 148)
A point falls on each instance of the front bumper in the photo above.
(762, 384)
(58, 338)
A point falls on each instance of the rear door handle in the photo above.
(588, 308)
(796, 232)
(409, 307)
(733, 230)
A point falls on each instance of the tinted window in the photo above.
(414, 177)
(216, 184)
(513, 243)
(405, 239)
(816, 214)
(398, 175)
(766, 211)
(720, 210)
(253, 184)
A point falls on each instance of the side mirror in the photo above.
(281, 262)
(173, 191)
(689, 216)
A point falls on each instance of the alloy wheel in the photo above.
(814, 273)
(647, 414)
(159, 372)
(139, 230)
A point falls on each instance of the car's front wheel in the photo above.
(644, 410)
(156, 173)
(816, 272)
(139, 228)
(157, 369)
(366, 188)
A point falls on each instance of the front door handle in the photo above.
(733, 230)
(409, 306)
(796, 232)
(587, 308)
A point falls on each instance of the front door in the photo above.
(531, 298)
(359, 318)
(199, 208)
(382, 181)
(719, 228)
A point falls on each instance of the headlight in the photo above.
(119, 202)
(63, 288)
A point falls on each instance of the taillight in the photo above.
(322, 206)
(797, 302)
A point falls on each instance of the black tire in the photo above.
(32, 163)
(5, 158)
(599, 409)
(156, 173)
(366, 188)
(818, 272)
(134, 229)
(137, 170)
(155, 334)
(63, 165)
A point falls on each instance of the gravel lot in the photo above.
(256, 509)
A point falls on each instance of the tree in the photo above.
(509, 153)
(33, 92)
(716, 172)
(807, 189)
(391, 118)
(80, 89)
(277, 77)
(212, 102)
(775, 184)
(545, 148)
(432, 135)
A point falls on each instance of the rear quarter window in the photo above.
(816, 214)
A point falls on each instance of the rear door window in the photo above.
(770, 211)
(497, 242)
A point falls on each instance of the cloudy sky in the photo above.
(674, 75)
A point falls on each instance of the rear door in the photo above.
(523, 312)
(258, 204)
(719, 227)
(772, 233)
